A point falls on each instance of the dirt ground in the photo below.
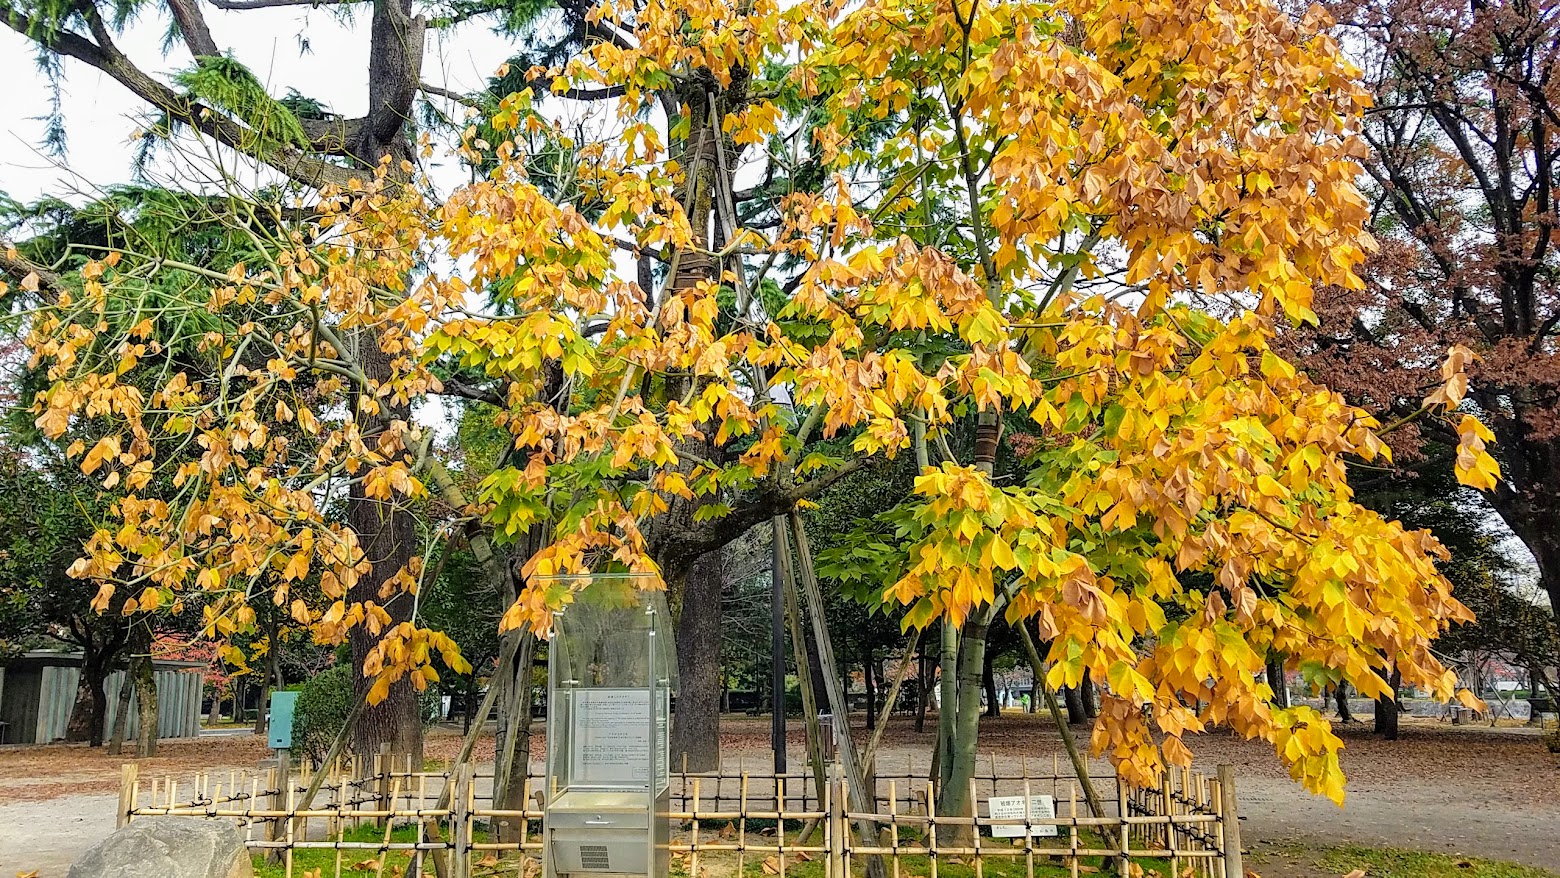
(1465, 790)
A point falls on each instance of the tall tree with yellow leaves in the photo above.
(1015, 198)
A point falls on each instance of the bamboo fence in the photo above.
(732, 823)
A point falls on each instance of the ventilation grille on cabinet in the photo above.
(594, 857)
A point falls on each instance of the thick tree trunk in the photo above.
(145, 679)
(1090, 695)
(696, 724)
(1341, 698)
(954, 799)
(1388, 709)
(1072, 696)
(1528, 498)
(214, 716)
(387, 534)
(91, 710)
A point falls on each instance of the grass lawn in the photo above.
(1306, 861)
(397, 863)
(1388, 863)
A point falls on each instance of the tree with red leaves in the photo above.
(1463, 171)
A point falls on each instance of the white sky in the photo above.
(101, 116)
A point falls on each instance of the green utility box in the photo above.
(283, 706)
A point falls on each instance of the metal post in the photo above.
(1229, 821)
(777, 646)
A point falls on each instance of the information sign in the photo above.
(611, 736)
(1012, 808)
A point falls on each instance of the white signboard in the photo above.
(611, 736)
(1012, 808)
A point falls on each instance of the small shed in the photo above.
(38, 693)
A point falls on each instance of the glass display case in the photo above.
(611, 674)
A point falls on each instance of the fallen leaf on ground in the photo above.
(369, 865)
(1357, 873)
(32, 874)
(772, 865)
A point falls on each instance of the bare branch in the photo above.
(457, 97)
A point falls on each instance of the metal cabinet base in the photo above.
(606, 834)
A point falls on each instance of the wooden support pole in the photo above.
(1229, 813)
(127, 778)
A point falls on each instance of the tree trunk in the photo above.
(91, 710)
(947, 699)
(871, 686)
(1072, 696)
(116, 740)
(954, 798)
(1090, 695)
(1277, 680)
(387, 534)
(1341, 698)
(696, 723)
(1528, 498)
(923, 689)
(263, 706)
(214, 716)
(515, 765)
(1388, 709)
(145, 677)
(988, 679)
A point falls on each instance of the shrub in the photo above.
(323, 705)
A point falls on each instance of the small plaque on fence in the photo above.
(1012, 808)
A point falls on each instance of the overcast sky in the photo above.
(101, 116)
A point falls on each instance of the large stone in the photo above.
(168, 847)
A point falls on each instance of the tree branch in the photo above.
(104, 56)
(192, 24)
(454, 387)
(773, 500)
(18, 268)
(447, 94)
(232, 5)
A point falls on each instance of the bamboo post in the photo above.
(1229, 824)
(836, 836)
(382, 770)
(127, 781)
(277, 782)
(460, 822)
